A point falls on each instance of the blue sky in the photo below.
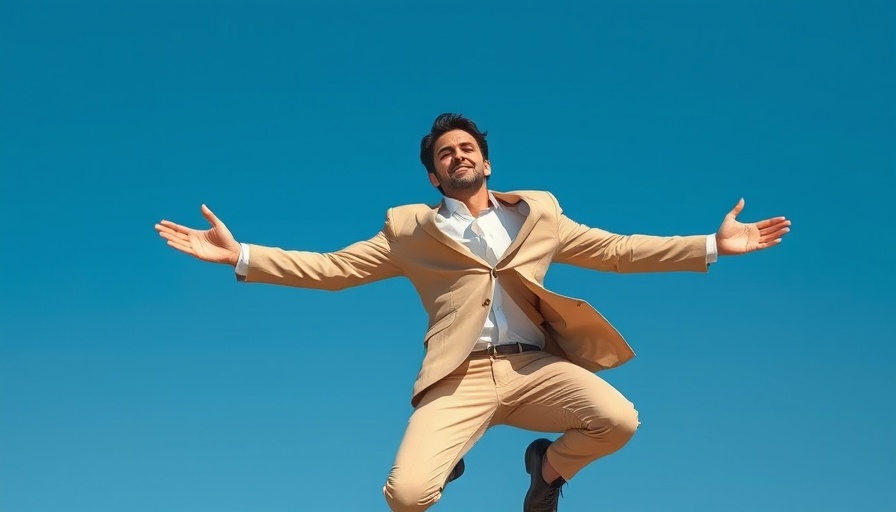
(134, 378)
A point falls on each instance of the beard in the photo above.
(469, 182)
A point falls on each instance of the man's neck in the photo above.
(475, 202)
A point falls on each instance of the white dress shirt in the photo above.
(488, 236)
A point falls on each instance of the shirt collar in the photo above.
(455, 207)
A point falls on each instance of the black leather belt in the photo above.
(507, 348)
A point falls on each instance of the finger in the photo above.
(769, 228)
(772, 222)
(182, 248)
(737, 209)
(175, 237)
(209, 216)
(165, 229)
(176, 227)
(775, 235)
(765, 245)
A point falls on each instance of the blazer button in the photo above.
(494, 272)
(486, 302)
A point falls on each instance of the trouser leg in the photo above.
(548, 394)
(450, 418)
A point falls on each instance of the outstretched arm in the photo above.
(357, 264)
(735, 237)
(215, 244)
(594, 248)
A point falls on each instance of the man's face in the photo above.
(460, 166)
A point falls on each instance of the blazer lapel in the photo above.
(427, 221)
(535, 213)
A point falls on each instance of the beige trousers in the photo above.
(531, 390)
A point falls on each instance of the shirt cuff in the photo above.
(712, 251)
(242, 264)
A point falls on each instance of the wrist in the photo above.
(720, 250)
(233, 257)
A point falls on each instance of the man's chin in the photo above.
(467, 185)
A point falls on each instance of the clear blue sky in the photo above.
(134, 378)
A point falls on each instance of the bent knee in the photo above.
(620, 426)
(409, 494)
(626, 420)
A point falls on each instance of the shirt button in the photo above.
(486, 302)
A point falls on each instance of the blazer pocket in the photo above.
(440, 325)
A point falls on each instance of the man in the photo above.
(500, 349)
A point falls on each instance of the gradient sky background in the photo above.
(136, 379)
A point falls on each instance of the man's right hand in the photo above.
(216, 245)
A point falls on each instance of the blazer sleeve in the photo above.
(360, 263)
(597, 249)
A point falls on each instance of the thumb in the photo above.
(734, 211)
(210, 217)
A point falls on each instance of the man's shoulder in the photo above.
(531, 194)
(406, 216)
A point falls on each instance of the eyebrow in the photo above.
(449, 147)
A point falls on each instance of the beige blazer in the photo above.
(456, 286)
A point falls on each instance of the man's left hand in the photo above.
(735, 237)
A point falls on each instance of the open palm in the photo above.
(216, 244)
(735, 237)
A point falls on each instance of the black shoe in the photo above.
(542, 496)
(456, 472)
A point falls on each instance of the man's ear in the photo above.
(434, 180)
(487, 168)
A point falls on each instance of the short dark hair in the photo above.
(445, 123)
